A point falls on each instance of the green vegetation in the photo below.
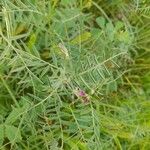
(74, 75)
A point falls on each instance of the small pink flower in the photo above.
(82, 93)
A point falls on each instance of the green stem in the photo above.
(9, 91)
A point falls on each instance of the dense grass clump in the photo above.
(74, 75)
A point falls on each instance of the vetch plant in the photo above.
(63, 66)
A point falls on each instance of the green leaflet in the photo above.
(81, 38)
(120, 133)
(125, 135)
(101, 22)
(88, 4)
(16, 113)
(20, 28)
(12, 133)
(31, 42)
(123, 36)
(31, 45)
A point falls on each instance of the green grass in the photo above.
(74, 75)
